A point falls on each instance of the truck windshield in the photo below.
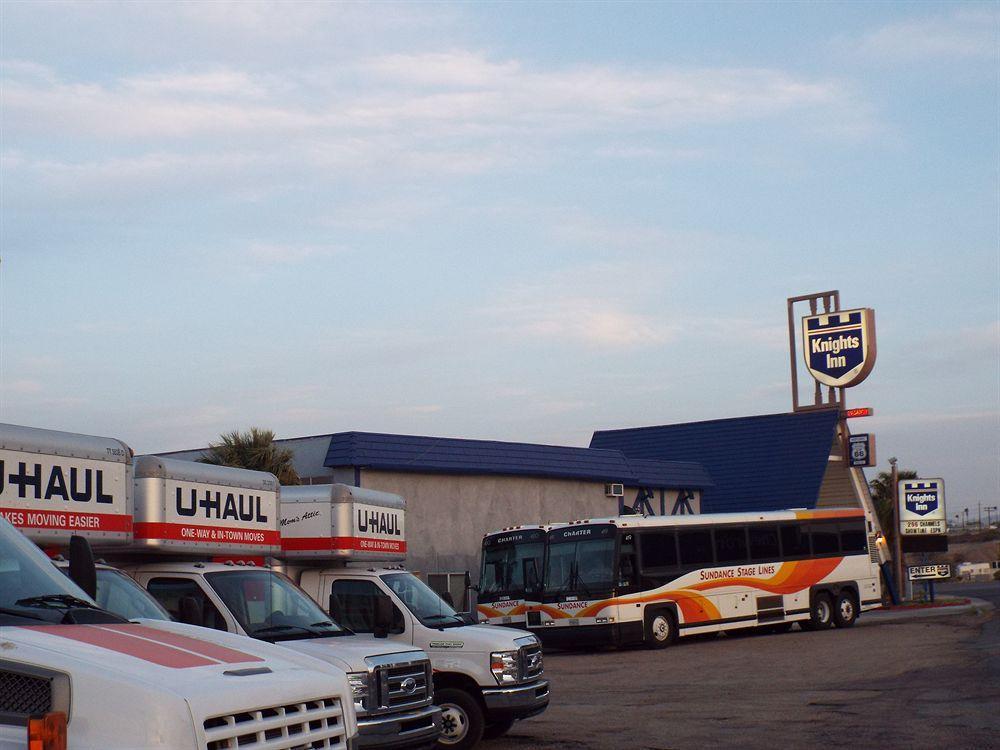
(32, 589)
(118, 593)
(582, 567)
(269, 606)
(422, 601)
(511, 570)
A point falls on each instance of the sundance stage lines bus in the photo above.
(510, 577)
(651, 579)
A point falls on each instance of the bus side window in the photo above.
(853, 537)
(627, 568)
(825, 539)
(794, 541)
(764, 543)
(731, 545)
(695, 548)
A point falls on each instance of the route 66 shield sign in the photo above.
(839, 347)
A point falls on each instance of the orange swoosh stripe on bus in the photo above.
(696, 607)
(520, 609)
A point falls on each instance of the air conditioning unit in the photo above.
(614, 489)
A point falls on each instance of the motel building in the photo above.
(456, 490)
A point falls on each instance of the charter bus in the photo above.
(635, 579)
(510, 575)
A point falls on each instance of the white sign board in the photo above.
(341, 521)
(55, 484)
(928, 572)
(921, 507)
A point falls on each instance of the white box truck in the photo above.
(74, 675)
(485, 677)
(197, 526)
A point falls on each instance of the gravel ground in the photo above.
(932, 683)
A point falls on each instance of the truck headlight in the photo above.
(503, 664)
(360, 689)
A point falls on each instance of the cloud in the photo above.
(284, 254)
(969, 33)
(22, 387)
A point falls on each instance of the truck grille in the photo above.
(312, 725)
(24, 695)
(531, 662)
(404, 686)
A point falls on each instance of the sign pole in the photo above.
(897, 542)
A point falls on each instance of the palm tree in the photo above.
(881, 488)
(255, 450)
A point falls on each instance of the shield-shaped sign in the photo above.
(839, 347)
(921, 497)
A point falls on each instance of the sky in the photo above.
(512, 221)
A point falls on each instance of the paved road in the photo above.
(988, 590)
(932, 683)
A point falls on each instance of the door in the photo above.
(352, 604)
(180, 595)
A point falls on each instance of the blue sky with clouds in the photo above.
(511, 221)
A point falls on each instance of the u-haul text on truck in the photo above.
(59, 483)
(485, 678)
(74, 675)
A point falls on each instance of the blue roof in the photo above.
(767, 462)
(458, 456)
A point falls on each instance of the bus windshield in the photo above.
(580, 566)
(511, 570)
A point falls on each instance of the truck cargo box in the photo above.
(339, 521)
(188, 507)
(57, 484)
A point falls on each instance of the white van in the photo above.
(339, 543)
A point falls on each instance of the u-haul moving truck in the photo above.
(485, 678)
(189, 514)
(73, 675)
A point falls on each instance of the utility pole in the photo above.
(980, 516)
(897, 547)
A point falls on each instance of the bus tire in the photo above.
(661, 629)
(462, 719)
(845, 611)
(820, 613)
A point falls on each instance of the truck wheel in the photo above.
(661, 629)
(845, 612)
(462, 719)
(820, 614)
(497, 729)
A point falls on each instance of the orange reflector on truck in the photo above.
(47, 732)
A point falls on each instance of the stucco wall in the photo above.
(447, 515)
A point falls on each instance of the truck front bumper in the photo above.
(418, 728)
(518, 702)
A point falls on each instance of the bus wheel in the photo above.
(846, 611)
(661, 629)
(821, 613)
(462, 719)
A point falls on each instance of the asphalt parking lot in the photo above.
(928, 683)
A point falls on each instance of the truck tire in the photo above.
(462, 719)
(820, 613)
(661, 629)
(497, 729)
(845, 611)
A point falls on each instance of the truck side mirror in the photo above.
(383, 616)
(191, 612)
(82, 570)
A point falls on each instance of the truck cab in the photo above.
(485, 678)
(189, 513)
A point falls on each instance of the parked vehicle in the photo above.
(651, 579)
(510, 576)
(342, 544)
(74, 675)
(201, 536)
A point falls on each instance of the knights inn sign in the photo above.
(839, 347)
(921, 506)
